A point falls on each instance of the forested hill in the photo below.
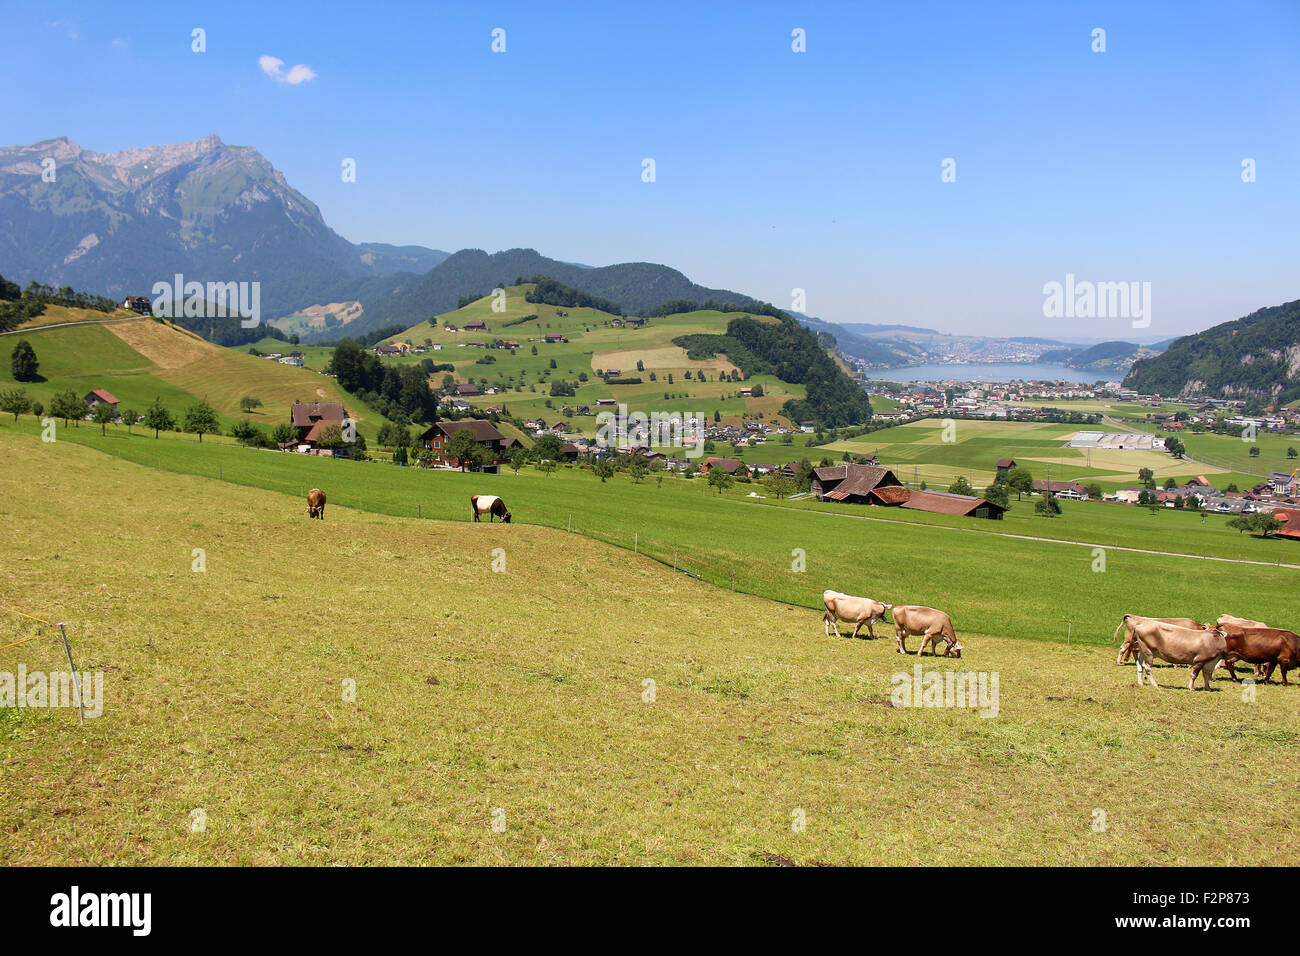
(1257, 355)
(780, 346)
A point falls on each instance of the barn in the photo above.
(946, 503)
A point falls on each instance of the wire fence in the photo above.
(48, 630)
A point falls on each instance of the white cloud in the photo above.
(273, 67)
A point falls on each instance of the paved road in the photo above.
(61, 325)
(1030, 537)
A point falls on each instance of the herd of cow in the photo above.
(1177, 640)
(1182, 640)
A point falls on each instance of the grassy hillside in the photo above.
(520, 693)
(594, 343)
(138, 360)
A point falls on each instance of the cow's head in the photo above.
(953, 649)
(506, 517)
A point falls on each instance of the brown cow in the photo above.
(316, 504)
(489, 505)
(851, 610)
(1271, 646)
(1201, 649)
(930, 624)
(1129, 647)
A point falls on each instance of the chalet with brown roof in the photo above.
(435, 440)
(309, 419)
(1005, 465)
(732, 466)
(468, 389)
(475, 326)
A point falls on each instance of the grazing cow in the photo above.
(851, 610)
(316, 504)
(489, 505)
(1201, 649)
(930, 624)
(1129, 647)
(1271, 646)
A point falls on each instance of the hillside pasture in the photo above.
(602, 708)
(143, 359)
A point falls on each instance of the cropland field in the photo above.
(594, 344)
(917, 451)
(143, 359)
(593, 704)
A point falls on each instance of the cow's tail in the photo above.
(1115, 637)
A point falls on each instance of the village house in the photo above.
(555, 338)
(475, 326)
(435, 440)
(468, 389)
(731, 466)
(1005, 465)
(99, 396)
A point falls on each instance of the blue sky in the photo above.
(775, 170)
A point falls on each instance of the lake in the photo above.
(989, 373)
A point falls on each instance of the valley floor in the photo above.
(520, 696)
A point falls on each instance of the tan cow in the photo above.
(316, 504)
(1200, 649)
(930, 624)
(1129, 647)
(851, 610)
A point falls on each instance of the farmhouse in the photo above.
(556, 338)
(468, 388)
(1069, 490)
(852, 483)
(475, 326)
(731, 466)
(1005, 465)
(98, 396)
(309, 419)
(485, 433)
